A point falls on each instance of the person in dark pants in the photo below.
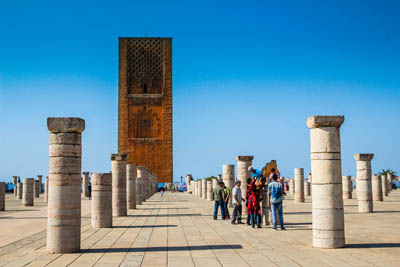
(275, 197)
(247, 202)
(227, 195)
(218, 193)
(237, 203)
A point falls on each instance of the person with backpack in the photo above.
(275, 198)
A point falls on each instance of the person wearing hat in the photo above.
(237, 203)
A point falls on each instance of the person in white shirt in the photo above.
(237, 203)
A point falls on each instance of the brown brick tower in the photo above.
(145, 103)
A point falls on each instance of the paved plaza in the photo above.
(178, 230)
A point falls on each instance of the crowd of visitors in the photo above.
(253, 199)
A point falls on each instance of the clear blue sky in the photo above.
(246, 75)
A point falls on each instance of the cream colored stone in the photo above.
(46, 190)
(131, 172)
(36, 188)
(15, 181)
(209, 190)
(19, 190)
(204, 188)
(85, 184)
(299, 185)
(377, 194)
(347, 187)
(140, 172)
(243, 173)
(118, 170)
(364, 183)
(101, 215)
(307, 188)
(228, 176)
(384, 185)
(291, 187)
(28, 192)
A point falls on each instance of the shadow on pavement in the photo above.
(374, 245)
(157, 249)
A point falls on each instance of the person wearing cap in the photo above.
(218, 193)
(237, 203)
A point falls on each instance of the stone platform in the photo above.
(178, 230)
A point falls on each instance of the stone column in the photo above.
(228, 176)
(326, 169)
(64, 200)
(219, 178)
(389, 179)
(36, 188)
(364, 184)
(139, 178)
(264, 207)
(307, 188)
(347, 187)
(3, 196)
(243, 164)
(27, 191)
(46, 190)
(209, 190)
(204, 188)
(40, 183)
(377, 194)
(19, 190)
(15, 181)
(384, 185)
(188, 189)
(299, 185)
(131, 172)
(214, 185)
(291, 187)
(101, 200)
(118, 170)
(200, 188)
(85, 184)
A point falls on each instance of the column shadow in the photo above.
(158, 249)
(374, 245)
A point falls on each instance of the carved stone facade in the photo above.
(145, 104)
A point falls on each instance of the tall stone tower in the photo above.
(145, 103)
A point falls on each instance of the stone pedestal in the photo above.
(384, 185)
(19, 190)
(85, 184)
(140, 172)
(377, 194)
(243, 164)
(326, 169)
(364, 183)
(101, 200)
(64, 200)
(209, 190)
(28, 191)
(131, 172)
(46, 190)
(291, 187)
(307, 188)
(15, 181)
(118, 170)
(299, 185)
(40, 183)
(347, 186)
(228, 176)
(37, 188)
(204, 188)
(3, 196)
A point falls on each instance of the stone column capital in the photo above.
(245, 158)
(39, 176)
(318, 121)
(363, 156)
(85, 173)
(66, 125)
(120, 157)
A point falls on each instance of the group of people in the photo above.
(252, 200)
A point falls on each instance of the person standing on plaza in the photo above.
(253, 206)
(275, 198)
(237, 203)
(227, 195)
(218, 193)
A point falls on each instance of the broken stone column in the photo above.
(37, 188)
(19, 190)
(291, 187)
(64, 200)
(299, 185)
(46, 190)
(28, 191)
(3, 196)
(40, 183)
(347, 186)
(364, 183)
(131, 172)
(85, 184)
(377, 194)
(101, 200)
(209, 190)
(15, 181)
(326, 169)
(228, 176)
(243, 164)
(139, 177)
(384, 185)
(307, 188)
(204, 188)
(118, 170)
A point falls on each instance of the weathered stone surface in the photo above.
(118, 170)
(364, 183)
(140, 173)
(209, 190)
(384, 185)
(40, 183)
(299, 185)
(377, 194)
(228, 176)
(101, 215)
(204, 188)
(188, 181)
(243, 164)
(46, 190)
(327, 196)
(307, 188)
(28, 192)
(85, 184)
(36, 189)
(347, 187)
(65, 125)
(291, 187)
(2, 196)
(20, 190)
(15, 181)
(131, 173)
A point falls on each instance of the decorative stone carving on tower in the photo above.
(145, 104)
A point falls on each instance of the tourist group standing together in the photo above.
(252, 200)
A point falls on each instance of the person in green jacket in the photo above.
(218, 193)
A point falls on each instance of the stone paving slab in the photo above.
(178, 230)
